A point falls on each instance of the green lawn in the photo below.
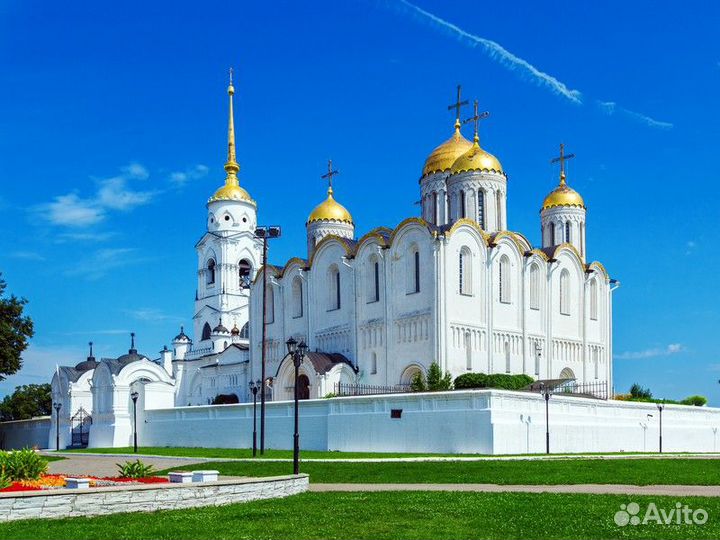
(561, 471)
(399, 515)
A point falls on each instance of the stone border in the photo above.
(49, 504)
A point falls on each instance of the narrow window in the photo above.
(565, 292)
(593, 300)
(498, 200)
(504, 280)
(206, 332)
(567, 231)
(461, 208)
(373, 363)
(507, 357)
(534, 287)
(269, 304)
(481, 208)
(417, 270)
(465, 271)
(376, 272)
(434, 212)
(210, 274)
(337, 290)
(468, 351)
(297, 297)
(460, 272)
(552, 234)
(244, 273)
(596, 361)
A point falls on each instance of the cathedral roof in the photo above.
(181, 336)
(442, 158)
(220, 329)
(476, 159)
(330, 210)
(563, 195)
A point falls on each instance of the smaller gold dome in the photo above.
(443, 157)
(231, 192)
(330, 210)
(563, 195)
(476, 159)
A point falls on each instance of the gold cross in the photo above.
(562, 158)
(476, 117)
(459, 103)
(330, 173)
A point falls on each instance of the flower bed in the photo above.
(56, 481)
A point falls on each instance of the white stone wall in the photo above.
(471, 421)
(147, 498)
(27, 433)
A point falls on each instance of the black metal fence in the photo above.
(595, 389)
(349, 389)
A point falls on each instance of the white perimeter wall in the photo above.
(26, 433)
(481, 421)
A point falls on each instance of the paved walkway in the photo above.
(106, 465)
(597, 489)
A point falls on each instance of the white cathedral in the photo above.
(453, 286)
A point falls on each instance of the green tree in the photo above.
(15, 331)
(27, 401)
(417, 384)
(638, 392)
(697, 401)
(436, 381)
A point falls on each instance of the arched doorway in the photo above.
(567, 373)
(303, 387)
(409, 374)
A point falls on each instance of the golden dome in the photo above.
(563, 195)
(231, 192)
(330, 210)
(476, 159)
(443, 157)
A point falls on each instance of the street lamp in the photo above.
(546, 392)
(254, 387)
(660, 407)
(265, 233)
(297, 351)
(57, 406)
(134, 396)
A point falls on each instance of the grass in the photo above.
(562, 471)
(398, 515)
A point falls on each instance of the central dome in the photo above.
(230, 192)
(330, 210)
(563, 195)
(476, 159)
(443, 157)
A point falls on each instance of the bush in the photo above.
(638, 392)
(418, 383)
(135, 469)
(436, 381)
(697, 401)
(23, 464)
(496, 380)
(4, 481)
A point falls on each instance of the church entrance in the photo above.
(303, 387)
(80, 430)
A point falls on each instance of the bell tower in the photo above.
(228, 253)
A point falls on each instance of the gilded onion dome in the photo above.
(563, 195)
(231, 191)
(476, 159)
(330, 210)
(442, 158)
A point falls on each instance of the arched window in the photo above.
(297, 297)
(206, 332)
(481, 208)
(372, 282)
(434, 211)
(269, 304)
(567, 231)
(504, 280)
(333, 288)
(565, 292)
(413, 271)
(210, 273)
(552, 233)
(245, 273)
(461, 207)
(593, 300)
(538, 354)
(534, 286)
(373, 363)
(465, 271)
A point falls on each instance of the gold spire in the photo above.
(231, 190)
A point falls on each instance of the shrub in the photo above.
(135, 469)
(639, 392)
(697, 401)
(4, 481)
(496, 380)
(418, 383)
(436, 381)
(330, 395)
(23, 464)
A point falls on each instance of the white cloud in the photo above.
(114, 194)
(669, 350)
(27, 255)
(151, 315)
(503, 56)
(72, 211)
(85, 236)
(136, 171)
(39, 364)
(514, 63)
(180, 178)
(99, 263)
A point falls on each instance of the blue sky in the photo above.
(113, 125)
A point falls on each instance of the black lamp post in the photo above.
(254, 387)
(298, 352)
(134, 396)
(546, 392)
(57, 407)
(264, 233)
(660, 407)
